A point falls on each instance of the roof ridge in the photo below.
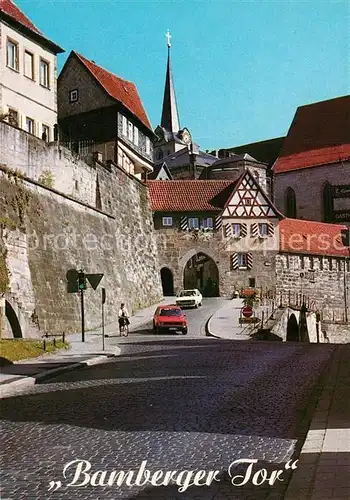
(104, 69)
(30, 24)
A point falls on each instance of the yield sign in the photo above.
(94, 279)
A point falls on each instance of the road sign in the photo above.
(247, 311)
(94, 279)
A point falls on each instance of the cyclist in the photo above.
(123, 318)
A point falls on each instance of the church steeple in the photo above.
(170, 115)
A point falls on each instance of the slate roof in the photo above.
(157, 169)
(119, 89)
(310, 237)
(318, 135)
(264, 151)
(189, 195)
(13, 12)
(181, 158)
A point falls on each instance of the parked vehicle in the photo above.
(189, 298)
(170, 318)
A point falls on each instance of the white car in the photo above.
(189, 298)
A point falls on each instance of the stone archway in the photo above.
(292, 329)
(202, 272)
(167, 281)
(11, 316)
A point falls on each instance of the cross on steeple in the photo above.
(168, 37)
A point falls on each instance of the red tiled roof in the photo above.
(121, 90)
(310, 237)
(189, 195)
(13, 11)
(318, 135)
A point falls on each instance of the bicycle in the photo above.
(123, 327)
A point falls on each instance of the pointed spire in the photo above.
(170, 115)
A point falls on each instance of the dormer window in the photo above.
(148, 146)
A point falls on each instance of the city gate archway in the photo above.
(292, 329)
(167, 281)
(202, 272)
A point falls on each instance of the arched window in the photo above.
(160, 154)
(327, 203)
(290, 204)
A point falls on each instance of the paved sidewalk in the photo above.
(324, 463)
(28, 372)
(225, 322)
(323, 469)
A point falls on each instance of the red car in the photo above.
(170, 318)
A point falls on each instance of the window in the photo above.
(167, 221)
(257, 176)
(74, 95)
(13, 117)
(45, 133)
(242, 260)
(263, 229)
(28, 65)
(247, 201)
(290, 203)
(29, 125)
(136, 136)
(12, 55)
(148, 146)
(160, 154)
(251, 282)
(193, 223)
(124, 126)
(130, 131)
(207, 223)
(236, 230)
(328, 203)
(44, 73)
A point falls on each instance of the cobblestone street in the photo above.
(178, 403)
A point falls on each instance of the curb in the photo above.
(26, 382)
(302, 480)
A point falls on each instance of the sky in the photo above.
(240, 68)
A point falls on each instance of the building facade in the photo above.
(28, 85)
(312, 172)
(104, 112)
(223, 236)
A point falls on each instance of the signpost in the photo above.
(103, 317)
(76, 282)
(247, 311)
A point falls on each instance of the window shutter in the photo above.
(184, 223)
(136, 136)
(270, 229)
(227, 230)
(254, 230)
(249, 260)
(218, 222)
(125, 126)
(243, 230)
(234, 261)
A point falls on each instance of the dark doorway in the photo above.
(202, 272)
(167, 281)
(292, 329)
(13, 320)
